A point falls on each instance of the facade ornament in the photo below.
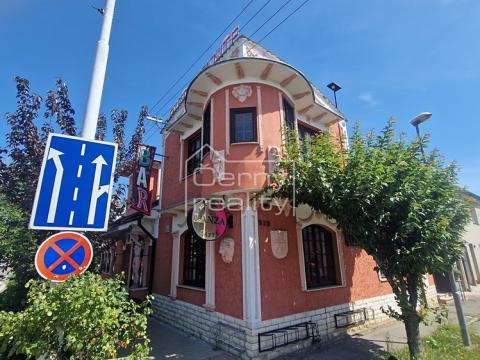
(279, 243)
(137, 249)
(273, 158)
(242, 92)
(227, 249)
(218, 161)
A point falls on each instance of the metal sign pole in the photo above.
(98, 77)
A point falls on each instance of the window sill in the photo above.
(191, 288)
(137, 288)
(245, 143)
(193, 173)
(324, 288)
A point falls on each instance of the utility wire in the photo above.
(271, 17)
(285, 19)
(256, 31)
(167, 102)
(201, 55)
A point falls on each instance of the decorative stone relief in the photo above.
(273, 157)
(242, 92)
(227, 248)
(303, 212)
(218, 161)
(279, 242)
(136, 264)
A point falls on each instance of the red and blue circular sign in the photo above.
(63, 255)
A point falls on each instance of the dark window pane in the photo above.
(243, 125)
(319, 257)
(194, 157)
(304, 131)
(289, 114)
(206, 129)
(193, 261)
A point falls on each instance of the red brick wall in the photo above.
(281, 287)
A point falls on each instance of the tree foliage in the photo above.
(17, 252)
(407, 213)
(20, 160)
(86, 317)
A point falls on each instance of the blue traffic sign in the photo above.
(75, 184)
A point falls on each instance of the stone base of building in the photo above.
(241, 338)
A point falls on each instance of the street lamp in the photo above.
(416, 121)
(334, 87)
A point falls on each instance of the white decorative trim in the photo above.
(210, 275)
(319, 219)
(242, 92)
(160, 180)
(175, 264)
(280, 106)
(211, 123)
(259, 117)
(180, 172)
(227, 122)
(252, 307)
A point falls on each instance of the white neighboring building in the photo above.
(468, 266)
(471, 261)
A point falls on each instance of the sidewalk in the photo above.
(364, 345)
(170, 343)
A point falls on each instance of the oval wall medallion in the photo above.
(227, 249)
(279, 241)
(303, 212)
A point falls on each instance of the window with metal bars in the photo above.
(318, 251)
(193, 261)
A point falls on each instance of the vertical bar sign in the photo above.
(142, 197)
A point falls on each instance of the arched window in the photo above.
(319, 253)
(193, 260)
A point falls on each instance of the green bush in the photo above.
(444, 344)
(86, 317)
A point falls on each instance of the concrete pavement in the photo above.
(366, 344)
(170, 343)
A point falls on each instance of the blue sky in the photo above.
(392, 58)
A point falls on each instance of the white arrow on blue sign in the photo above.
(75, 185)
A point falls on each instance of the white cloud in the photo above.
(368, 98)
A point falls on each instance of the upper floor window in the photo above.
(193, 261)
(304, 131)
(475, 216)
(194, 156)
(289, 114)
(206, 128)
(243, 125)
(319, 255)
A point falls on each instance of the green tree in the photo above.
(86, 317)
(17, 252)
(20, 160)
(407, 214)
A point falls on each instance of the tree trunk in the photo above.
(412, 318)
(412, 327)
